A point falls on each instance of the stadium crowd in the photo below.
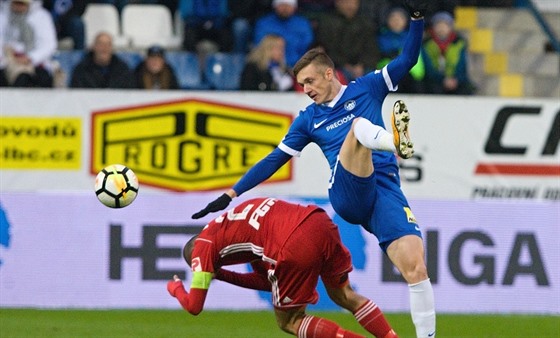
(361, 35)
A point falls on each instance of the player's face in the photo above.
(317, 82)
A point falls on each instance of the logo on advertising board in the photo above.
(187, 145)
(522, 149)
(40, 143)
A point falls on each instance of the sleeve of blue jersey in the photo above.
(261, 171)
(403, 63)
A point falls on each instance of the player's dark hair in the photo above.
(187, 250)
(316, 56)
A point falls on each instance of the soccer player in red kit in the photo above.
(289, 246)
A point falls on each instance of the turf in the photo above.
(239, 324)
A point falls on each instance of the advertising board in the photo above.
(68, 250)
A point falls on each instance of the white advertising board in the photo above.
(66, 250)
(468, 148)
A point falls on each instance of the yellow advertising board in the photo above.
(187, 145)
(40, 142)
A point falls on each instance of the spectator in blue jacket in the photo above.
(295, 29)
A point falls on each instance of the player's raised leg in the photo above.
(354, 156)
(375, 137)
(407, 253)
(355, 152)
(372, 136)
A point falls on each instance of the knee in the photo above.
(415, 273)
(289, 321)
(339, 298)
(287, 327)
(346, 297)
(355, 122)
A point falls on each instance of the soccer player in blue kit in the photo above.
(364, 188)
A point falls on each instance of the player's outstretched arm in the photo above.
(250, 280)
(218, 204)
(192, 301)
(257, 174)
(256, 280)
(402, 64)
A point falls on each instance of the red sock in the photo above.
(315, 327)
(372, 319)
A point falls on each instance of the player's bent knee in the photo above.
(289, 321)
(415, 273)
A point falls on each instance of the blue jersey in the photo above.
(328, 124)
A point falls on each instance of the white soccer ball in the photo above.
(116, 186)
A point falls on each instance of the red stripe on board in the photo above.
(517, 169)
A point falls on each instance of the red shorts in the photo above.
(314, 249)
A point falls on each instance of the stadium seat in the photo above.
(149, 24)
(131, 58)
(223, 70)
(187, 68)
(67, 60)
(100, 17)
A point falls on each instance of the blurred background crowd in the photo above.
(225, 44)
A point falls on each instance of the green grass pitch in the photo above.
(245, 324)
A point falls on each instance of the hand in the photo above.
(218, 204)
(416, 8)
(173, 285)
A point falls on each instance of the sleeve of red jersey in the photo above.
(192, 301)
(256, 280)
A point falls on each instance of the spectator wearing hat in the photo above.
(101, 68)
(27, 44)
(154, 72)
(283, 21)
(349, 39)
(445, 58)
(390, 39)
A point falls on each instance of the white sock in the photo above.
(373, 136)
(422, 308)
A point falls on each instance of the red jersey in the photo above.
(255, 229)
(299, 243)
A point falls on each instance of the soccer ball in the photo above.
(116, 186)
